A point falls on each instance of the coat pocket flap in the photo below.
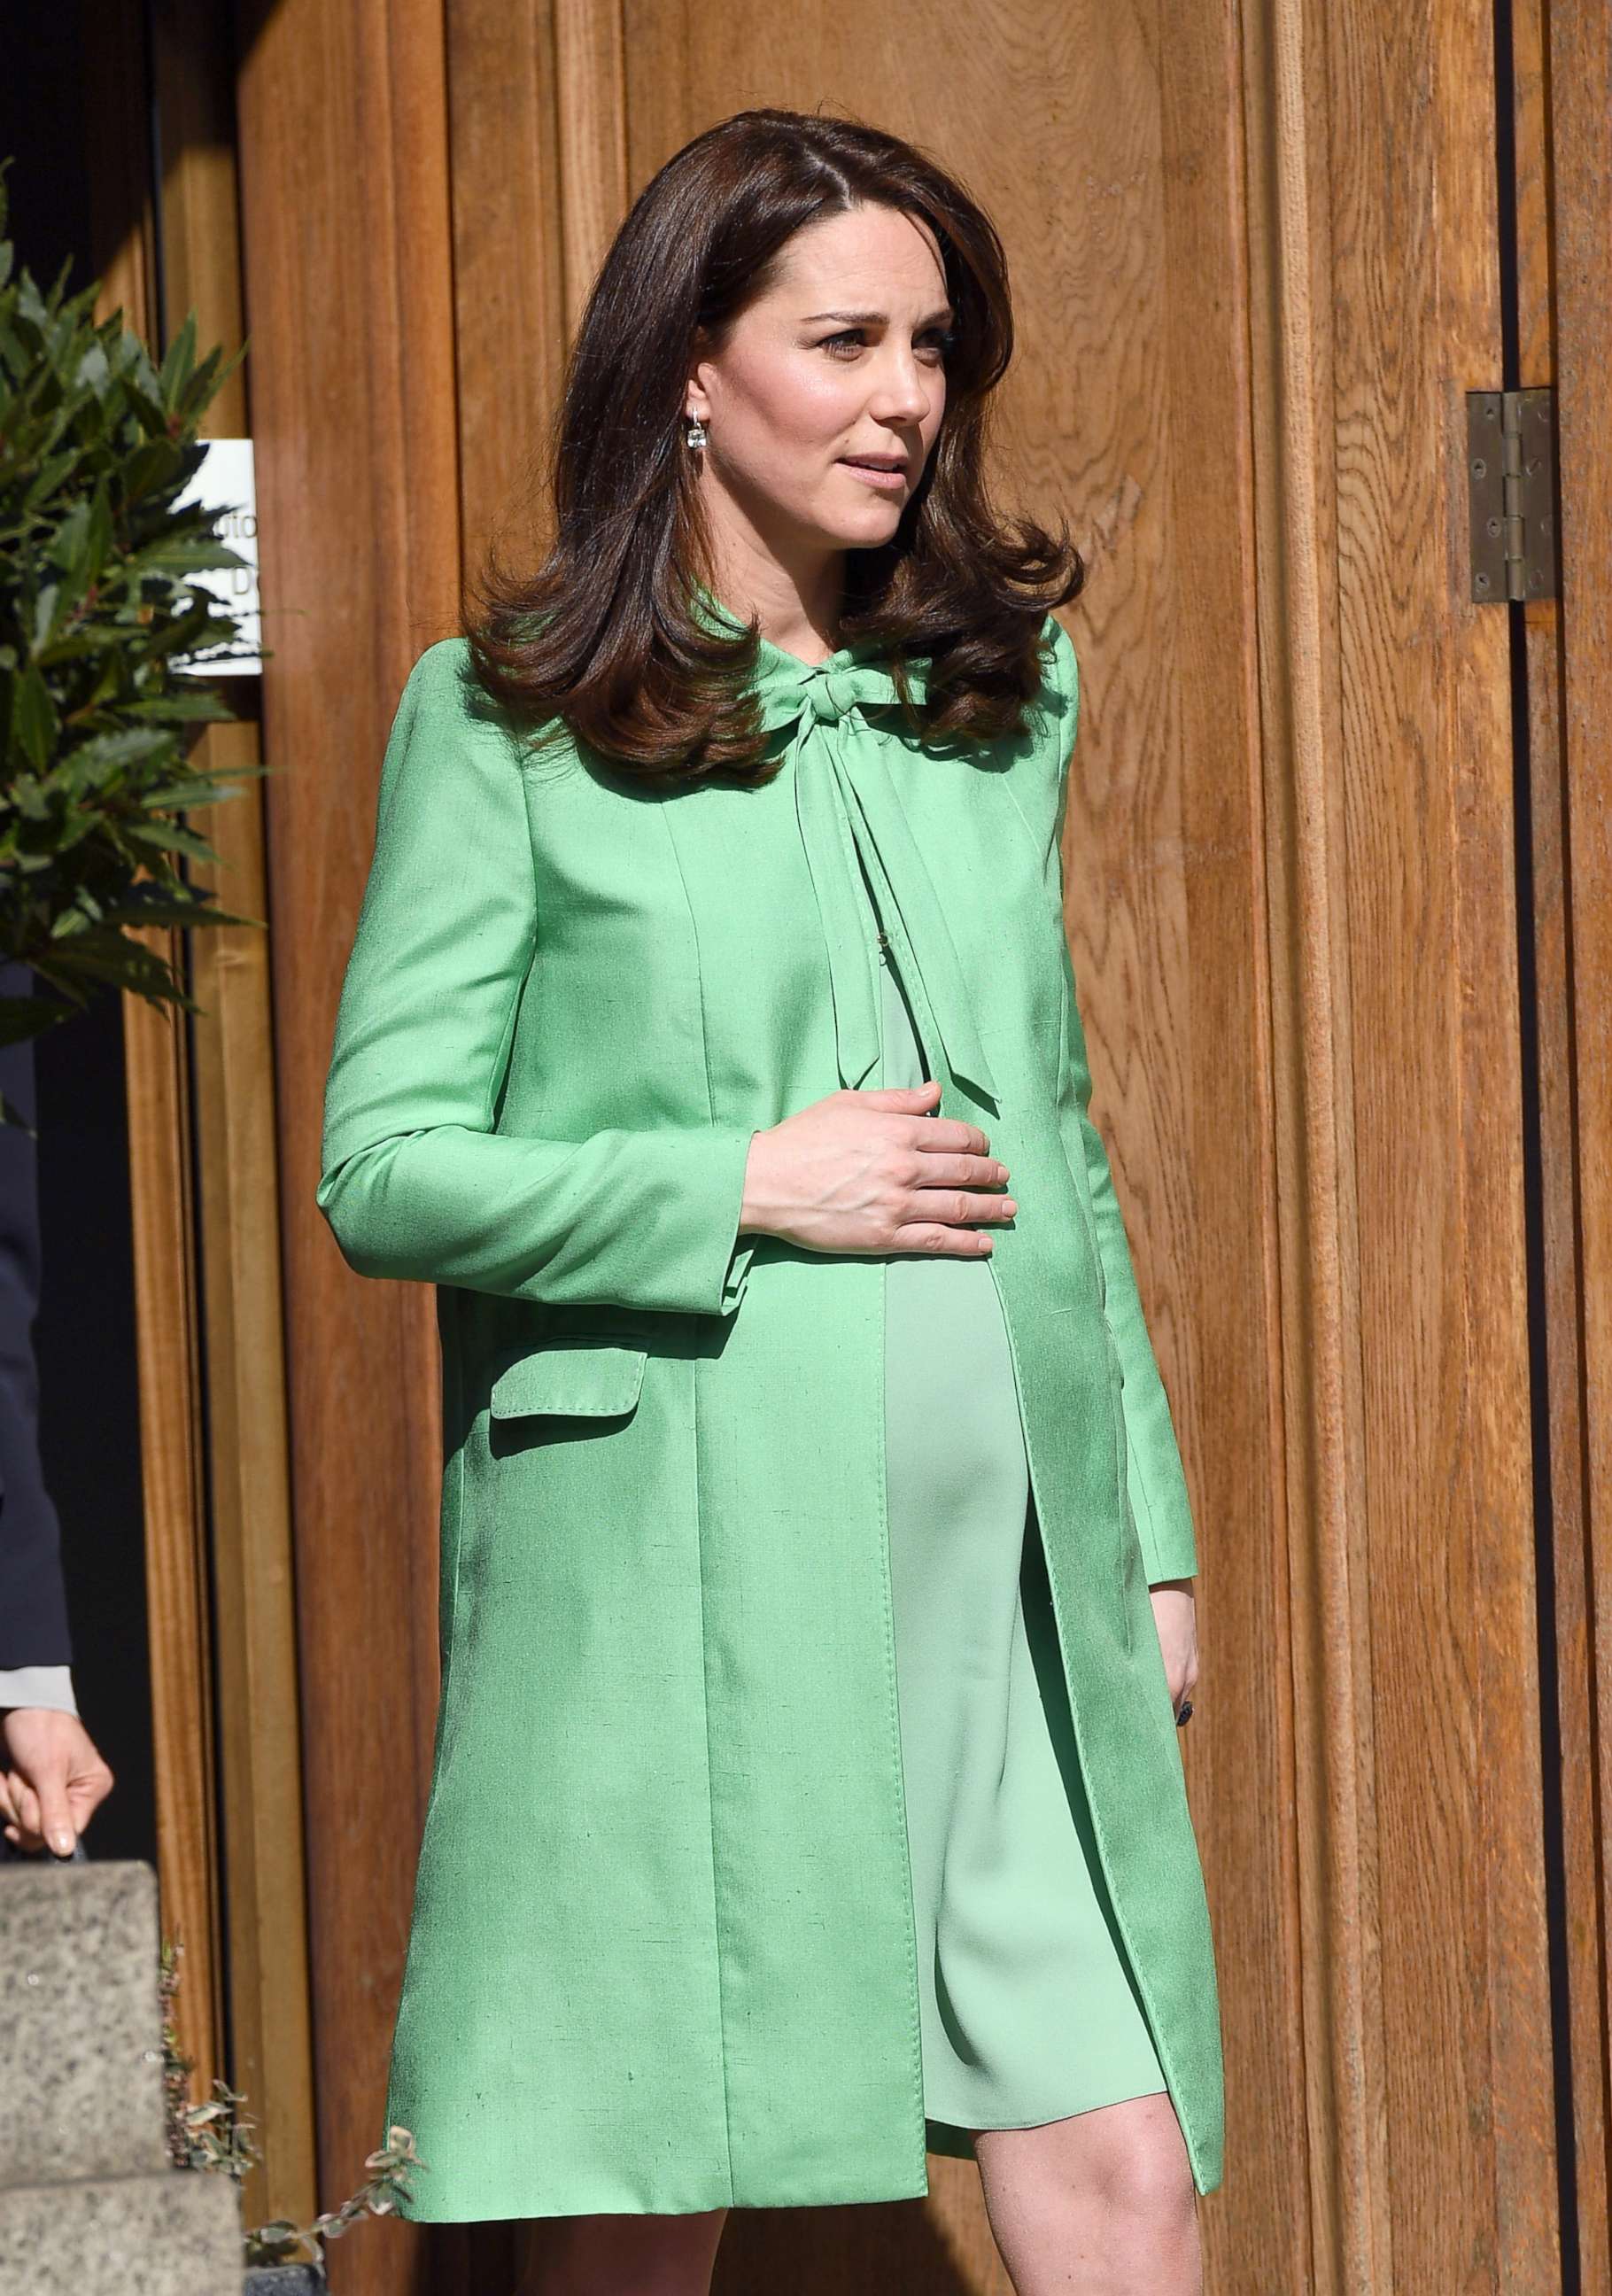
(593, 1378)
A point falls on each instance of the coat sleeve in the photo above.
(1158, 1484)
(416, 1180)
(33, 1628)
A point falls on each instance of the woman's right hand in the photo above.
(875, 1172)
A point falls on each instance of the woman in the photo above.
(816, 1614)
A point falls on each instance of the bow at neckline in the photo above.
(849, 811)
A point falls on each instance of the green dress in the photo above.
(1028, 2009)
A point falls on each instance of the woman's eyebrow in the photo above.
(875, 318)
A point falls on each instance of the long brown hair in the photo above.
(603, 637)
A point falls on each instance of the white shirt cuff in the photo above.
(38, 1685)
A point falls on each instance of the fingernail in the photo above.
(61, 1843)
(1008, 1204)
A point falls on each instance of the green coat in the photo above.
(662, 1949)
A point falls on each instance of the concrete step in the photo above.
(80, 2023)
(90, 2203)
(174, 2233)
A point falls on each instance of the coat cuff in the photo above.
(718, 1254)
(1169, 1549)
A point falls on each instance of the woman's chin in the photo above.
(866, 530)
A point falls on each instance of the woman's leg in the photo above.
(1101, 2204)
(623, 2255)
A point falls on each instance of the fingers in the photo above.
(947, 1135)
(23, 1805)
(963, 1171)
(41, 1819)
(955, 1189)
(896, 1177)
(942, 1242)
(55, 1818)
(946, 1196)
(950, 1132)
(960, 1240)
(56, 1780)
(895, 1095)
(958, 1205)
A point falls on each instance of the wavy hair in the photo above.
(604, 636)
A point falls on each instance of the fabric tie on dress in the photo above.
(847, 806)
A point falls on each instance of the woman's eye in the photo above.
(943, 339)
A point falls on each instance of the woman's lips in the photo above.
(891, 481)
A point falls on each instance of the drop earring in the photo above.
(696, 432)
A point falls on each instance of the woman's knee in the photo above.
(1127, 2161)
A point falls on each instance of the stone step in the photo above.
(174, 2233)
(80, 2023)
(90, 2203)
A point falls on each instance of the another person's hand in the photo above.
(54, 1780)
(1175, 1616)
(875, 1172)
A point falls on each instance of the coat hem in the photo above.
(1204, 2167)
(504, 2205)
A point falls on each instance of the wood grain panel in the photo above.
(236, 1215)
(1567, 1715)
(1445, 1502)
(157, 1086)
(1389, 761)
(1310, 1232)
(345, 220)
(1571, 726)
(509, 301)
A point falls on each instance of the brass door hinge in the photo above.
(1511, 493)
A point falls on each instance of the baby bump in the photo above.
(954, 1445)
(954, 1449)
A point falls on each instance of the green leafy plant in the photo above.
(97, 606)
(216, 2136)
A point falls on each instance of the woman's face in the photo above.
(843, 356)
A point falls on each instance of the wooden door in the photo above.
(1260, 256)
(1554, 88)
